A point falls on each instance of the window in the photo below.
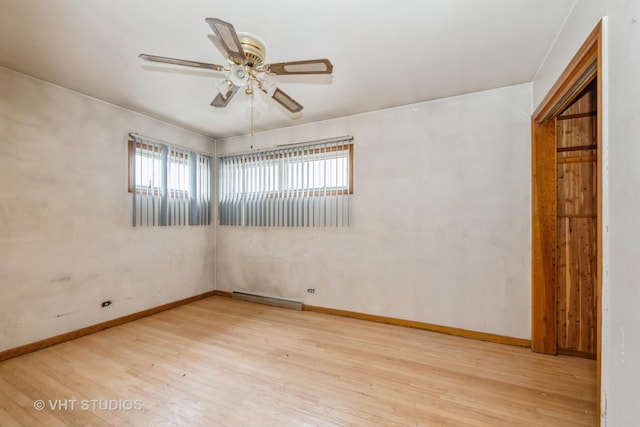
(302, 185)
(149, 166)
(170, 185)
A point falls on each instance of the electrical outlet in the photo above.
(311, 290)
(105, 303)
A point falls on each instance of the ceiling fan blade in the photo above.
(228, 37)
(221, 101)
(312, 66)
(174, 61)
(286, 101)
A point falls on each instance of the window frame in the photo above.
(304, 184)
(184, 195)
(175, 192)
(330, 191)
(283, 192)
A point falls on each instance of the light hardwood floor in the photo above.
(224, 362)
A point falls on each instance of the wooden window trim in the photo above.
(130, 171)
(315, 193)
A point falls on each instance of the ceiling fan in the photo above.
(245, 55)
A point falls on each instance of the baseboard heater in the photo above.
(277, 302)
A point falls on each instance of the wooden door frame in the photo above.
(543, 171)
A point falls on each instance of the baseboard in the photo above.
(484, 336)
(226, 294)
(261, 299)
(58, 339)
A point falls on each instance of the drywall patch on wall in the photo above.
(440, 218)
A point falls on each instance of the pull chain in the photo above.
(252, 133)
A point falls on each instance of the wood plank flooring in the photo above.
(224, 362)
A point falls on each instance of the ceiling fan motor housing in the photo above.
(254, 50)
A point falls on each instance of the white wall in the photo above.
(621, 195)
(622, 361)
(66, 239)
(440, 218)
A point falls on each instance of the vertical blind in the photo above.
(303, 185)
(170, 185)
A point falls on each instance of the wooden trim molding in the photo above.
(600, 228)
(585, 66)
(543, 168)
(219, 293)
(58, 339)
(484, 336)
(569, 79)
(544, 222)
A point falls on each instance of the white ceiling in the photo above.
(385, 52)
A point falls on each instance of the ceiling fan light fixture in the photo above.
(224, 87)
(238, 76)
(268, 86)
